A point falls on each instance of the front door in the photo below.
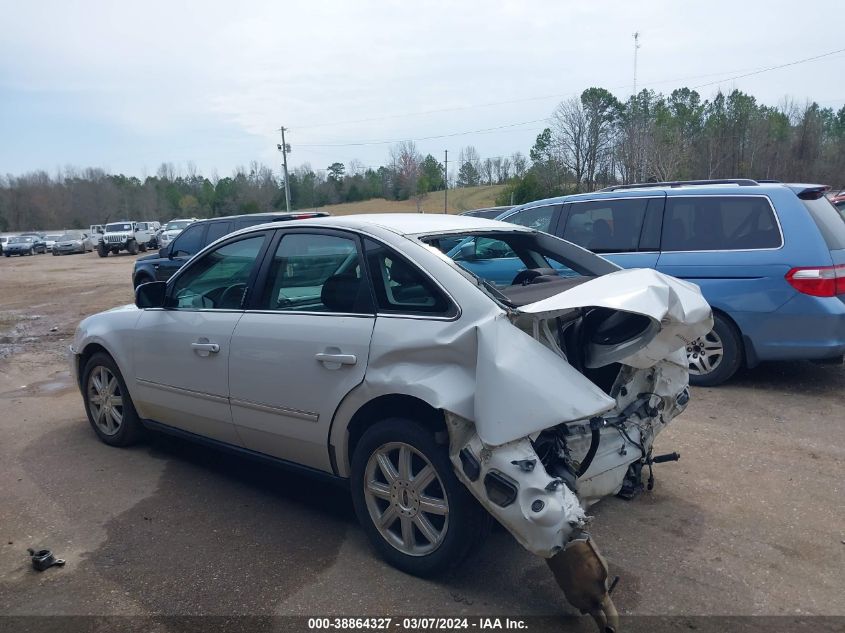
(182, 351)
(302, 346)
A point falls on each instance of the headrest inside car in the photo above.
(340, 293)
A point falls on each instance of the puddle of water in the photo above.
(57, 384)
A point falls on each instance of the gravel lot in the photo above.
(751, 521)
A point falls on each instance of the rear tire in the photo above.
(132, 247)
(108, 404)
(716, 356)
(417, 541)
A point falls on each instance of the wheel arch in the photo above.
(344, 437)
(743, 339)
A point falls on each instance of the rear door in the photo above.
(302, 346)
(624, 230)
(728, 245)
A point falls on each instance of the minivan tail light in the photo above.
(818, 281)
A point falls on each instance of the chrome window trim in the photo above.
(733, 250)
(358, 315)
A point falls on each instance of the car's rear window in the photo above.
(831, 223)
(719, 223)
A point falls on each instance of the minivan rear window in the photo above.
(830, 222)
(719, 223)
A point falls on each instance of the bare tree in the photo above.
(520, 164)
(571, 128)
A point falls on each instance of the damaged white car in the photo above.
(355, 348)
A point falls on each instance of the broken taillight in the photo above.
(818, 281)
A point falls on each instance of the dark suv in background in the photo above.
(194, 238)
(769, 257)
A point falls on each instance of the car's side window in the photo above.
(314, 272)
(219, 279)
(606, 226)
(483, 248)
(400, 287)
(718, 223)
(216, 230)
(189, 241)
(539, 218)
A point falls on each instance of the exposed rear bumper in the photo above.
(804, 328)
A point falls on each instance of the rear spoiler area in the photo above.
(808, 192)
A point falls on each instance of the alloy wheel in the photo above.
(105, 400)
(705, 354)
(406, 500)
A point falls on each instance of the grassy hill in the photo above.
(459, 200)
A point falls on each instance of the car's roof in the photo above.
(682, 189)
(411, 223)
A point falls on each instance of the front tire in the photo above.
(102, 251)
(415, 512)
(715, 357)
(108, 404)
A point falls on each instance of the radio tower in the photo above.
(636, 48)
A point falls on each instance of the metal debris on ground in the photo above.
(43, 559)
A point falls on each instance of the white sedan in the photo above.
(355, 348)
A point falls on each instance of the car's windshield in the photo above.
(505, 259)
(69, 236)
(176, 225)
(119, 226)
(21, 239)
(53, 236)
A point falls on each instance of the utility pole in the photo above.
(636, 48)
(284, 148)
(446, 183)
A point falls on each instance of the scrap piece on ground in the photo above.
(43, 559)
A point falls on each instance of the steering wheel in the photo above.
(235, 294)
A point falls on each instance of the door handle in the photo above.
(336, 359)
(204, 349)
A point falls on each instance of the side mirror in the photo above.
(151, 295)
(468, 250)
(164, 252)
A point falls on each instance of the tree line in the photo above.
(596, 140)
(592, 141)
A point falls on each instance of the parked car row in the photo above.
(195, 235)
(769, 258)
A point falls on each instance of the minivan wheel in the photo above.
(415, 512)
(108, 404)
(716, 356)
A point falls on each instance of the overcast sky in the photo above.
(127, 85)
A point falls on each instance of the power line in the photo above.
(562, 95)
(770, 68)
(425, 138)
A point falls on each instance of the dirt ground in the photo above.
(751, 521)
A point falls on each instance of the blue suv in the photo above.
(768, 256)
